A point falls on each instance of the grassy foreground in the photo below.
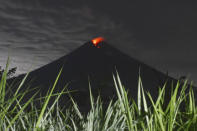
(121, 115)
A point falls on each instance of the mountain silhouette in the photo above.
(95, 64)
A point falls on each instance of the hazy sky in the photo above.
(158, 33)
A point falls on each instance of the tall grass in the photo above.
(122, 114)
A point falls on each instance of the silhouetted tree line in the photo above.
(10, 72)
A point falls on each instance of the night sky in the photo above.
(162, 34)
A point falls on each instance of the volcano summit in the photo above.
(96, 65)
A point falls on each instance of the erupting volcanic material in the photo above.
(97, 40)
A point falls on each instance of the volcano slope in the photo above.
(95, 64)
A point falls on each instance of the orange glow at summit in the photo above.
(97, 40)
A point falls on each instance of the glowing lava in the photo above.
(97, 40)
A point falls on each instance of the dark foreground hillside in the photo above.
(94, 63)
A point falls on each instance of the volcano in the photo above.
(95, 63)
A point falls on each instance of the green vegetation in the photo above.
(121, 114)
